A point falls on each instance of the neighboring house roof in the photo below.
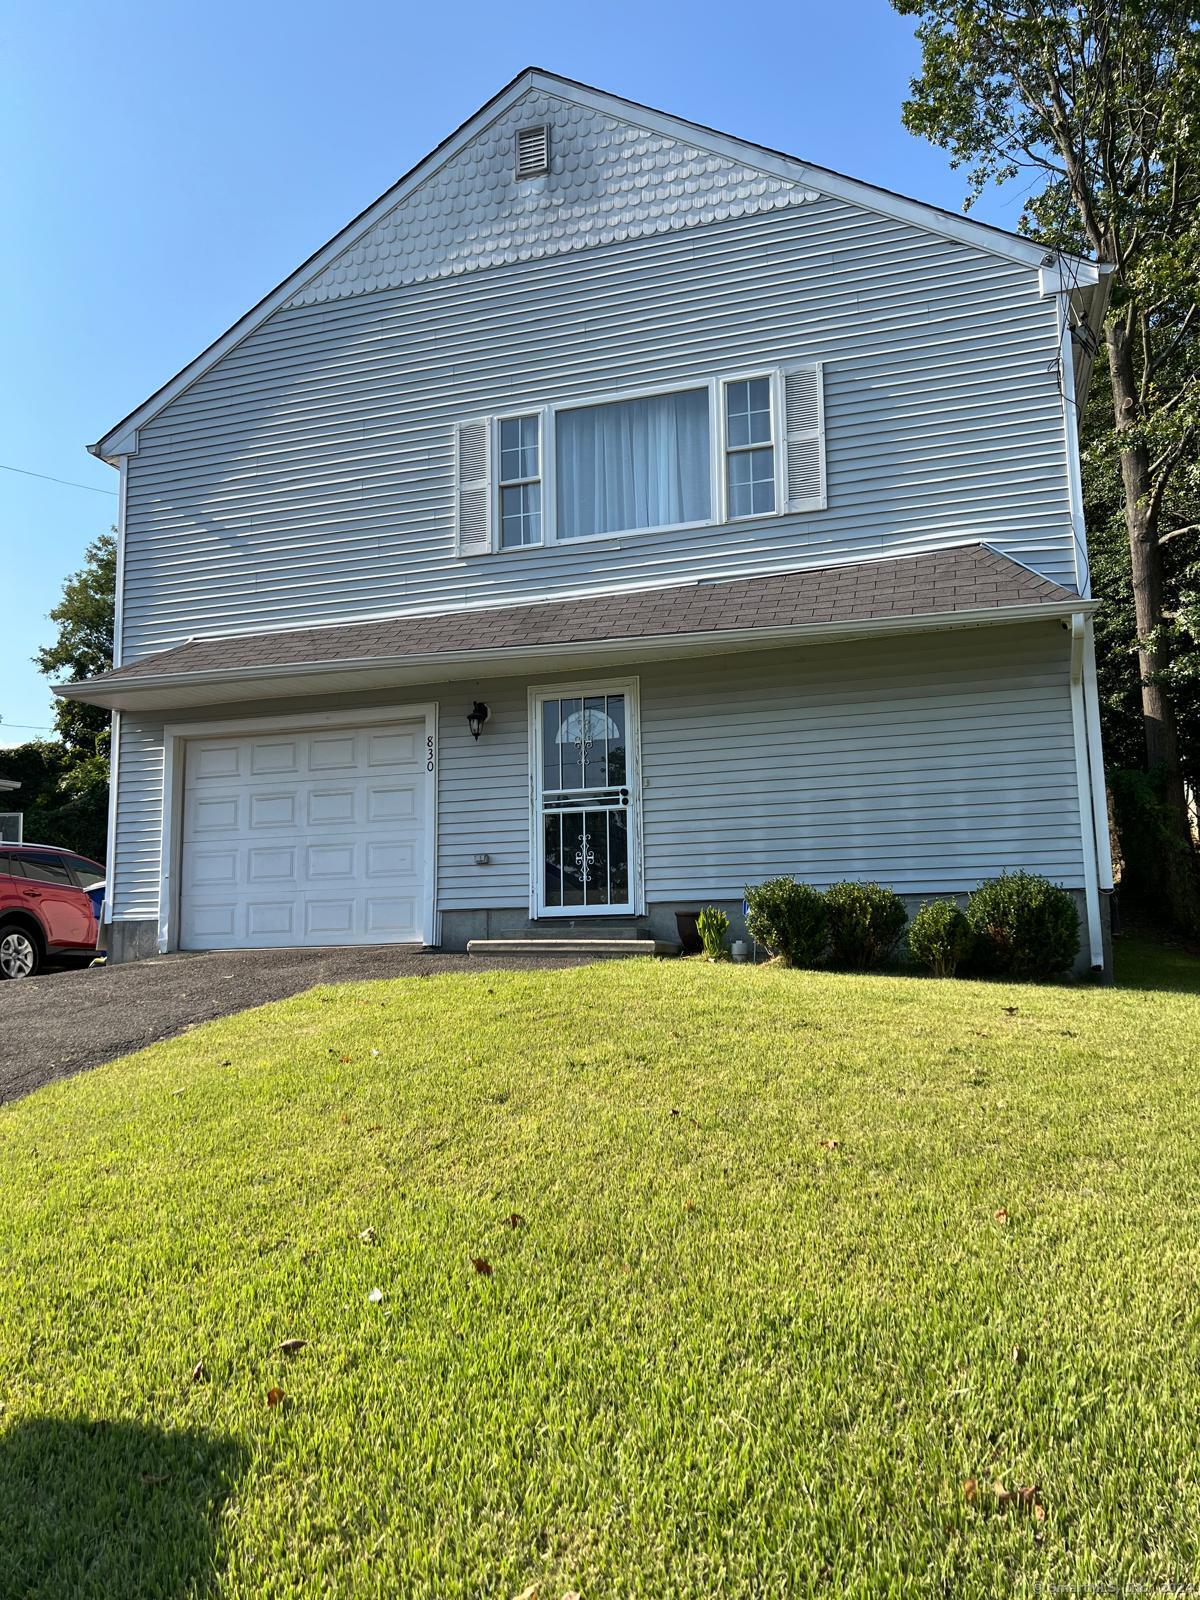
(964, 584)
(754, 178)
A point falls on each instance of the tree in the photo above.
(1099, 101)
(64, 781)
(84, 647)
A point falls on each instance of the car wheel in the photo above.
(20, 954)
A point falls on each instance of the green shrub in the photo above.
(1024, 926)
(865, 921)
(790, 919)
(712, 925)
(939, 937)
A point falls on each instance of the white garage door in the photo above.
(305, 838)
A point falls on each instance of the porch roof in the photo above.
(962, 586)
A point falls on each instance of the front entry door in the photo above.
(585, 803)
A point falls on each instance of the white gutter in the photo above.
(433, 663)
(1087, 823)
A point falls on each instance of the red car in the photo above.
(45, 905)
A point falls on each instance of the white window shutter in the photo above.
(473, 487)
(804, 437)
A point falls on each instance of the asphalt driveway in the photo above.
(63, 1021)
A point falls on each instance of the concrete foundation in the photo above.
(134, 940)
(131, 941)
(458, 927)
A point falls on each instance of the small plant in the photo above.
(1024, 926)
(865, 921)
(712, 924)
(940, 937)
(790, 919)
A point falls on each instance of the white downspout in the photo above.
(114, 749)
(1087, 824)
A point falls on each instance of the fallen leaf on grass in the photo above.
(831, 1144)
(482, 1265)
(1024, 1499)
(514, 1220)
(198, 1372)
(1018, 1355)
(572, 1594)
(971, 1489)
(151, 1478)
(368, 1236)
(689, 1205)
(531, 1592)
(1001, 1215)
(1010, 1010)
(275, 1397)
(375, 1296)
(289, 1347)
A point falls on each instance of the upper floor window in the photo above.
(749, 448)
(520, 482)
(633, 464)
(723, 449)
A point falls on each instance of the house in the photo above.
(613, 514)
(11, 822)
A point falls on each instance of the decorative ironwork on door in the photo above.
(585, 802)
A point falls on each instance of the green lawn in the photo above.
(716, 1357)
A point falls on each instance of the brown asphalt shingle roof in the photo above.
(965, 578)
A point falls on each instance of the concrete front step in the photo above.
(571, 947)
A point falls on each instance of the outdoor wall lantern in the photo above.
(476, 718)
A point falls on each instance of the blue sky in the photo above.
(167, 164)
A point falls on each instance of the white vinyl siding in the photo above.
(928, 762)
(310, 476)
(137, 846)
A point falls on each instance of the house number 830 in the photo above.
(429, 751)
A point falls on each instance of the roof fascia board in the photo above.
(931, 219)
(431, 665)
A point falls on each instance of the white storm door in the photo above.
(319, 837)
(586, 817)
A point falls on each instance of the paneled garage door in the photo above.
(308, 838)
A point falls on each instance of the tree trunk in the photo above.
(1179, 885)
(1145, 557)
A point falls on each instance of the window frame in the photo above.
(716, 385)
(644, 392)
(774, 381)
(540, 414)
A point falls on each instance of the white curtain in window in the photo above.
(635, 464)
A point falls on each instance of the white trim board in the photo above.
(122, 439)
(175, 738)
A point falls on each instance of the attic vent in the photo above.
(533, 151)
